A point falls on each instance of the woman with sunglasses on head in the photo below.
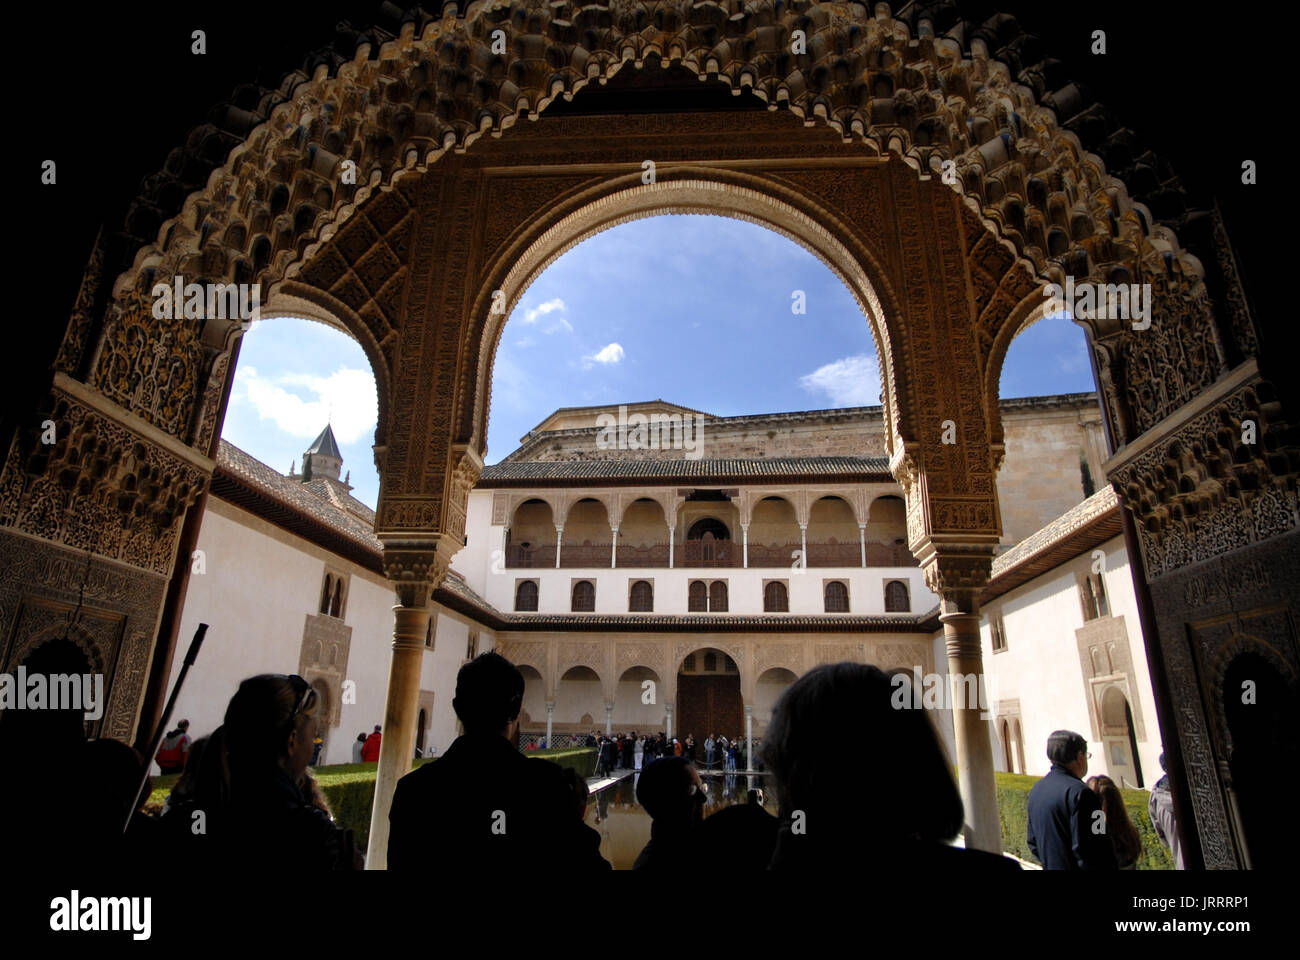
(253, 789)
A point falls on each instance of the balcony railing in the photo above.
(719, 553)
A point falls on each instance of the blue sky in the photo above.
(634, 313)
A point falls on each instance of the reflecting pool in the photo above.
(624, 826)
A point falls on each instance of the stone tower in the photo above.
(322, 461)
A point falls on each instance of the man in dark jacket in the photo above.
(483, 807)
(1067, 829)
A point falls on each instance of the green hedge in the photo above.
(350, 787)
(1013, 796)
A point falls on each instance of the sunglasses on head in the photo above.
(306, 696)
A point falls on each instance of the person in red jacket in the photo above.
(370, 752)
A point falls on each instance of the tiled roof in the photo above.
(1083, 527)
(246, 481)
(713, 471)
(338, 495)
(325, 444)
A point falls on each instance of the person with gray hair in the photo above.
(1067, 827)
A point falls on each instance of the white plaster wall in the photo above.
(1040, 666)
(259, 586)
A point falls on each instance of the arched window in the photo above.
(697, 599)
(718, 596)
(642, 598)
(584, 597)
(837, 597)
(526, 595)
(325, 594)
(896, 597)
(336, 607)
(776, 599)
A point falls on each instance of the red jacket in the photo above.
(370, 752)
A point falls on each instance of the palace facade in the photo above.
(682, 583)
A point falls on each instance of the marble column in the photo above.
(400, 715)
(670, 546)
(749, 737)
(668, 709)
(613, 547)
(961, 633)
(609, 719)
(550, 717)
(559, 542)
(862, 541)
(744, 539)
(803, 546)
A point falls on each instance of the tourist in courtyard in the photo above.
(260, 805)
(1160, 808)
(638, 753)
(484, 808)
(898, 810)
(1062, 808)
(1124, 839)
(731, 756)
(708, 752)
(672, 793)
(370, 752)
(172, 751)
(689, 752)
(358, 747)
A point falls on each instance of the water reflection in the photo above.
(624, 826)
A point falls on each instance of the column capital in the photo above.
(958, 573)
(749, 709)
(417, 567)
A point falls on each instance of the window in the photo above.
(997, 633)
(718, 596)
(710, 661)
(526, 595)
(1093, 595)
(776, 598)
(697, 598)
(332, 595)
(584, 597)
(688, 665)
(837, 597)
(642, 597)
(896, 599)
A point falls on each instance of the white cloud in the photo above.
(611, 354)
(346, 399)
(541, 310)
(847, 382)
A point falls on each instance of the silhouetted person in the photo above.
(184, 788)
(671, 792)
(484, 807)
(743, 834)
(1160, 808)
(174, 749)
(896, 810)
(589, 836)
(1066, 827)
(259, 808)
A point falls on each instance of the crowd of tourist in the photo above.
(246, 796)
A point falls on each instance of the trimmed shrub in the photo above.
(1013, 801)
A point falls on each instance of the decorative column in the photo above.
(744, 545)
(609, 719)
(559, 540)
(414, 569)
(550, 717)
(670, 546)
(959, 613)
(668, 709)
(613, 548)
(862, 541)
(803, 546)
(749, 736)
